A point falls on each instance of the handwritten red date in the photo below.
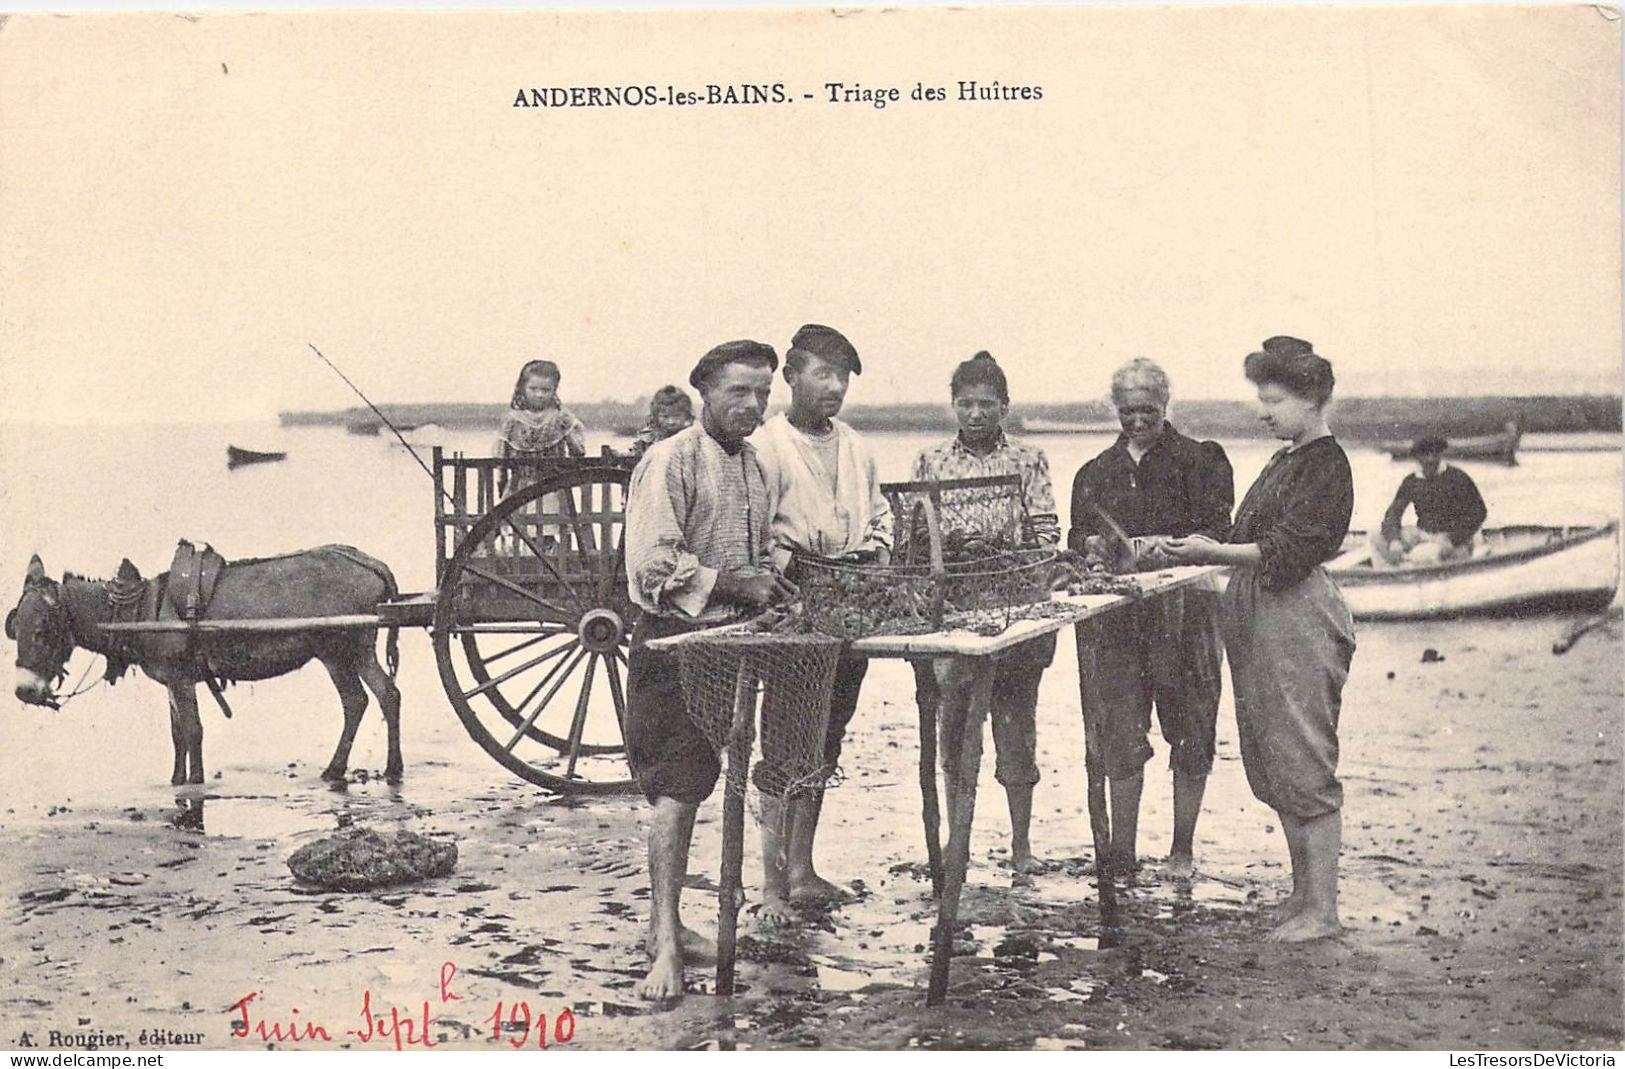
(519, 1020)
(404, 1030)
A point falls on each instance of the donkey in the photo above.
(52, 619)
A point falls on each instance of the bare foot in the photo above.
(775, 912)
(812, 889)
(696, 948)
(1180, 867)
(1306, 925)
(665, 980)
(1289, 907)
(1026, 865)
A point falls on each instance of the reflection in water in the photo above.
(189, 814)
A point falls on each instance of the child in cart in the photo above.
(535, 426)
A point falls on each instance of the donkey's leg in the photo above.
(389, 702)
(354, 697)
(177, 737)
(187, 728)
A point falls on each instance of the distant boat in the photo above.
(1501, 448)
(236, 458)
(1516, 570)
(1030, 425)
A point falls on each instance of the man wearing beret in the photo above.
(829, 504)
(1449, 512)
(698, 553)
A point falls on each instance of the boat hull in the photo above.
(1497, 448)
(1578, 570)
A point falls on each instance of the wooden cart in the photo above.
(530, 614)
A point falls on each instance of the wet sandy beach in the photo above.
(1481, 882)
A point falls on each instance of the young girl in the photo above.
(536, 425)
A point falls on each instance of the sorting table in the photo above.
(963, 665)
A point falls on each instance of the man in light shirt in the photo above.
(698, 553)
(829, 504)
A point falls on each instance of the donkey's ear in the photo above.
(11, 625)
(36, 570)
(128, 572)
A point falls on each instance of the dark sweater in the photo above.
(1448, 503)
(1297, 511)
(1180, 487)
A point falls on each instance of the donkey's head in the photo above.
(39, 626)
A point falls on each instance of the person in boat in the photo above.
(699, 543)
(1449, 512)
(1155, 484)
(981, 400)
(670, 411)
(829, 505)
(537, 425)
(1287, 630)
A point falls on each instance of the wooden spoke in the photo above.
(569, 667)
(495, 681)
(580, 720)
(612, 669)
(541, 557)
(616, 572)
(495, 657)
(583, 554)
(508, 584)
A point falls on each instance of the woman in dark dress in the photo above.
(1288, 634)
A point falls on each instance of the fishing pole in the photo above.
(357, 391)
(523, 537)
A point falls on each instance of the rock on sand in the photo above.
(359, 858)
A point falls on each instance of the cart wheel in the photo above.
(531, 631)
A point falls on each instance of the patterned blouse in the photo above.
(989, 514)
(694, 509)
(1297, 511)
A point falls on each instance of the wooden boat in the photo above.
(1501, 448)
(1514, 571)
(236, 457)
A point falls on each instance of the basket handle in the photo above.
(933, 529)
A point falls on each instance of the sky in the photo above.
(1430, 195)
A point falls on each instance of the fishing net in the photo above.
(732, 677)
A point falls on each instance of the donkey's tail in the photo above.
(392, 651)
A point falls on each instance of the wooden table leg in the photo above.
(741, 737)
(930, 808)
(964, 684)
(1100, 825)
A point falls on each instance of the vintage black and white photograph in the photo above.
(1055, 528)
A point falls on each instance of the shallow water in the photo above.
(550, 895)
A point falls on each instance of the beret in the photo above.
(733, 352)
(829, 344)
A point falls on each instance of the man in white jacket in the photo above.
(829, 504)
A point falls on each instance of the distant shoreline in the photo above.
(1357, 418)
